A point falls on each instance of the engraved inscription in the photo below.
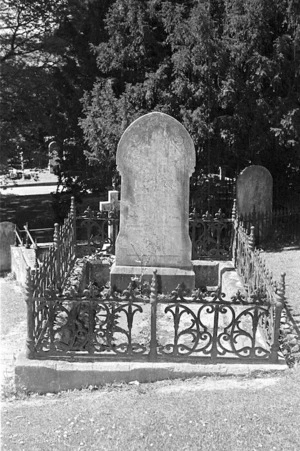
(155, 157)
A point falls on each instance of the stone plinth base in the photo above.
(49, 376)
(206, 273)
(167, 278)
(98, 272)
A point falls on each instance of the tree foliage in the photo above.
(47, 64)
(80, 71)
(227, 69)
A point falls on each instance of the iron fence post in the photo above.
(279, 304)
(30, 315)
(56, 242)
(192, 226)
(153, 304)
(233, 244)
(73, 219)
(251, 240)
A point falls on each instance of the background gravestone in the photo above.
(53, 150)
(155, 158)
(7, 238)
(254, 192)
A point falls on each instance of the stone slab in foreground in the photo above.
(44, 376)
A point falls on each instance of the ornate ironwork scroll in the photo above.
(214, 327)
(210, 236)
(98, 229)
(90, 325)
(135, 326)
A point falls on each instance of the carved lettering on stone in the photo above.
(156, 158)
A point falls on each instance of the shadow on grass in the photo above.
(37, 211)
(279, 247)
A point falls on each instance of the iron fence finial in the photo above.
(233, 212)
(252, 239)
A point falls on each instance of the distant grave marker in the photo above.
(255, 195)
(7, 238)
(155, 158)
(53, 150)
(111, 206)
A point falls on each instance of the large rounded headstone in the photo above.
(155, 158)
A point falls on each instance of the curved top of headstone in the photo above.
(257, 170)
(254, 190)
(154, 130)
(53, 146)
(7, 224)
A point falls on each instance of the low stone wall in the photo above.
(21, 259)
(7, 238)
(93, 269)
(98, 272)
(206, 273)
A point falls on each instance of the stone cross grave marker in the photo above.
(254, 191)
(7, 238)
(155, 158)
(112, 205)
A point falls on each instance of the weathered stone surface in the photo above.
(155, 158)
(206, 273)
(254, 190)
(48, 376)
(98, 272)
(7, 238)
(167, 278)
(21, 259)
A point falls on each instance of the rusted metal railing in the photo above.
(55, 265)
(181, 326)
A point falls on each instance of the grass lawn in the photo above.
(198, 414)
(287, 260)
(12, 304)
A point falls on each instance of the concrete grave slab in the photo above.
(53, 376)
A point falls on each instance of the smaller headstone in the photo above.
(53, 150)
(7, 238)
(111, 206)
(254, 192)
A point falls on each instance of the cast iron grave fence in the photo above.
(143, 325)
(280, 226)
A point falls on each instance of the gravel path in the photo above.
(13, 325)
